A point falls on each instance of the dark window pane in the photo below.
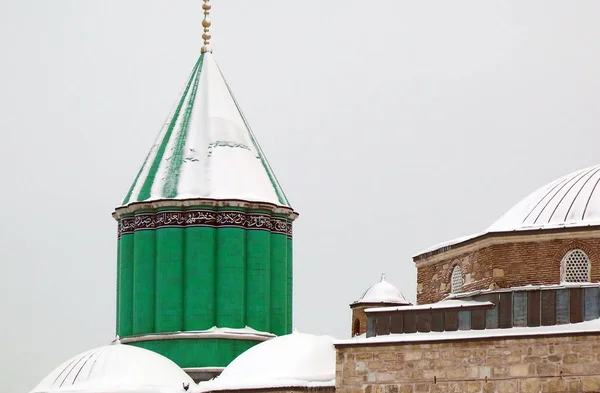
(533, 308)
(548, 308)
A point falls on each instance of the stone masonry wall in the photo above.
(528, 365)
(504, 262)
(282, 390)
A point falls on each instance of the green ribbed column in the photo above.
(125, 286)
(169, 279)
(199, 278)
(279, 284)
(258, 280)
(290, 283)
(231, 277)
(118, 306)
(144, 258)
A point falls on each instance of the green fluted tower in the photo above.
(204, 236)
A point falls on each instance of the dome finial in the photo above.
(382, 276)
(206, 24)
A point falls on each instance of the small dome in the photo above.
(116, 368)
(296, 359)
(570, 201)
(383, 292)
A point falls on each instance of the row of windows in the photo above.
(574, 267)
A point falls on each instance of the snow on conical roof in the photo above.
(116, 368)
(293, 360)
(570, 201)
(206, 149)
(383, 292)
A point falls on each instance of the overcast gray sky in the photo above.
(392, 125)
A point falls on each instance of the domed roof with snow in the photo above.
(383, 292)
(293, 360)
(113, 369)
(570, 201)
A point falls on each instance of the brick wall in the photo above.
(528, 365)
(504, 261)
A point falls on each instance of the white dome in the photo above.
(383, 292)
(570, 201)
(114, 369)
(296, 359)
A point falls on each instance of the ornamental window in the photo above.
(456, 281)
(575, 267)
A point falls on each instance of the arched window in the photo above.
(356, 328)
(575, 267)
(456, 281)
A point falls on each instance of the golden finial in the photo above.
(206, 24)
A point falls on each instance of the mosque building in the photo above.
(204, 283)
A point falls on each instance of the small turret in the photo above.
(382, 294)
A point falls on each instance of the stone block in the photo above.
(555, 358)
(507, 386)
(391, 389)
(489, 387)
(413, 355)
(385, 377)
(495, 361)
(421, 387)
(386, 356)
(375, 365)
(485, 372)
(501, 371)
(574, 385)
(439, 388)
(554, 385)
(529, 385)
(519, 370)
(456, 373)
(591, 384)
(498, 273)
(431, 355)
(473, 387)
(364, 356)
(547, 370)
(587, 358)
(571, 358)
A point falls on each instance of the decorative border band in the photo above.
(203, 218)
(207, 334)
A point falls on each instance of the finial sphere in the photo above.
(206, 23)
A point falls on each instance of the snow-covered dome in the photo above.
(383, 292)
(293, 360)
(570, 201)
(116, 368)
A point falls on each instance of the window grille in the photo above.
(456, 282)
(575, 267)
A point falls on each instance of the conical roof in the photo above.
(206, 149)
